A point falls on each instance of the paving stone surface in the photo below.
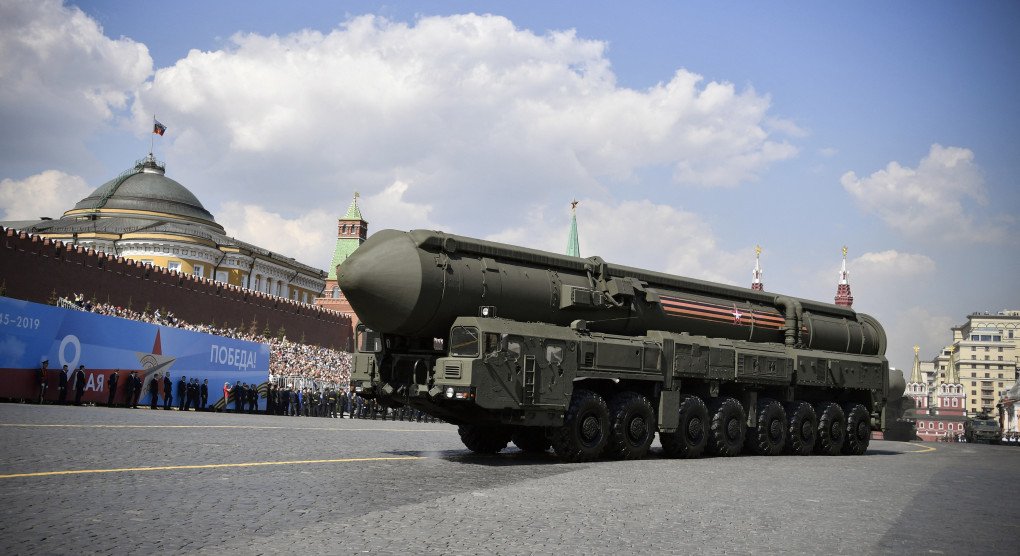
(397, 487)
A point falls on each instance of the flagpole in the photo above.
(152, 139)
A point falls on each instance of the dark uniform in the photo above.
(238, 392)
(130, 389)
(40, 379)
(62, 386)
(168, 392)
(79, 384)
(253, 398)
(111, 385)
(204, 395)
(138, 389)
(154, 392)
(182, 390)
(331, 402)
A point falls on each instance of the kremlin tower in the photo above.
(843, 295)
(351, 232)
(757, 273)
(573, 247)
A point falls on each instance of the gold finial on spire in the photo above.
(917, 349)
(757, 250)
(844, 251)
(357, 194)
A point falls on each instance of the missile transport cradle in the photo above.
(592, 359)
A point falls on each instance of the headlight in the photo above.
(449, 392)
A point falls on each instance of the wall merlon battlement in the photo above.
(34, 266)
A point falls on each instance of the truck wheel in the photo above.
(632, 426)
(531, 440)
(585, 429)
(728, 428)
(858, 430)
(769, 437)
(831, 429)
(691, 436)
(484, 439)
(801, 428)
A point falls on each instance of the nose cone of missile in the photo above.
(382, 279)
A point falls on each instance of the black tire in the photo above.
(632, 426)
(691, 437)
(769, 437)
(532, 440)
(831, 429)
(858, 430)
(484, 439)
(585, 430)
(801, 428)
(728, 428)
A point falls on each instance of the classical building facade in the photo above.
(147, 217)
(984, 355)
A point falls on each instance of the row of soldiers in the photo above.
(333, 403)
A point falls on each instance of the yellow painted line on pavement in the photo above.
(923, 450)
(205, 466)
(77, 426)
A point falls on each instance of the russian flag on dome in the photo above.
(158, 128)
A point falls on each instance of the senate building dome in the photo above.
(146, 216)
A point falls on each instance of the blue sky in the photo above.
(689, 131)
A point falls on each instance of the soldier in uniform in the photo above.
(62, 386)
(203, 395)
(168, 391)
(238, 397)
(331, 403)
(253, 398)
(130, 388)
(154, 391)
(111, 385)
(79, 384)
(40, 379)
(138, 389)
(182, 391)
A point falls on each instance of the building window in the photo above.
(175, 266)
(198, 270)
(336, 292)
(931, 425)
(221, 276)
(942, 426)
(973, 392)
(258, 283)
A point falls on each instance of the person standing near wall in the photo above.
(203, 401)
(182, 390)
(168, 391)
(79, 384)
(130, 388)
(40, 379)
(111, 387)
(62, 386)
(154, 391)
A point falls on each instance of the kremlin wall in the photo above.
(38, 269)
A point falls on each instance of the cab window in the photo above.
(464, 341)
(369, 340)
(554, 353)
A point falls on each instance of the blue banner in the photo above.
(31, 333)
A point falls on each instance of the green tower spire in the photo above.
(352, 230)
(573, 247)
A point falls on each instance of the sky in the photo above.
(689, 132)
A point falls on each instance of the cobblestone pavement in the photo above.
(392, 487)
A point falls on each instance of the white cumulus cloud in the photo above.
(938, 197)
(49, 194)
(61, 80)
(469, 110)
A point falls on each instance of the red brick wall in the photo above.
(32, 268)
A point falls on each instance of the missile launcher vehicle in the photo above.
(593, 359)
